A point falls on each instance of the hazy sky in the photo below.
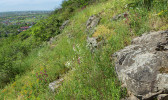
(24, 5)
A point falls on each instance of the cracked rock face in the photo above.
(92, 23)
(56, 84)
(64, 24)
(143, 66)
(94, 42)
(120, 16)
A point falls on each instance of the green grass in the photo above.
(94, 78)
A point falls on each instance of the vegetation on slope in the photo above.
(30, 63)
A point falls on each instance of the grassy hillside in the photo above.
(28, 63)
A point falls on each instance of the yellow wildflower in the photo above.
(4, 90)
(25, 91)
(14, 84)
(160, 13)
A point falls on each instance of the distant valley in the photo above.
(15, 22)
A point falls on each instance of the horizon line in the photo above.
(24, 11)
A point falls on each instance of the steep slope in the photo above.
(86, 75)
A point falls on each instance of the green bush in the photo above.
(12, 52)
(44, 30)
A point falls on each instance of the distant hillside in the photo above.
(14, 13)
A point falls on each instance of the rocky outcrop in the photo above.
(94, 42)
(64, 24)
(120, 16)
(52, 39)
(162, 97)
(92, 23)
(143, 66)
(56, 84)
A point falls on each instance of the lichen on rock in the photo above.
(92, 22)
(138, 65)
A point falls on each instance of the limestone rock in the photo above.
(132, 97)
(162, 97)
(64, 24)
(117, 17)
(92, 23)
(94, 42)
(54, 85)
(52, 39)
(141, 66)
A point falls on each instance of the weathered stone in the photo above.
(52, 39)
(162, 97)
(92, 23)
(64, 24)
(56, 84)
(138, 65)
(132, 97)
(94, 42)
(120, 16)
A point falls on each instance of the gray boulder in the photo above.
(52, 39)
(143, 66)
(64, 24)
(94, 43)
(56, 84)
(162, 97)
(92, 23)
(120, 16)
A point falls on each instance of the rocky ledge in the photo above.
(142, 67)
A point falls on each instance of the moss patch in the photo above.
(163, 70)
